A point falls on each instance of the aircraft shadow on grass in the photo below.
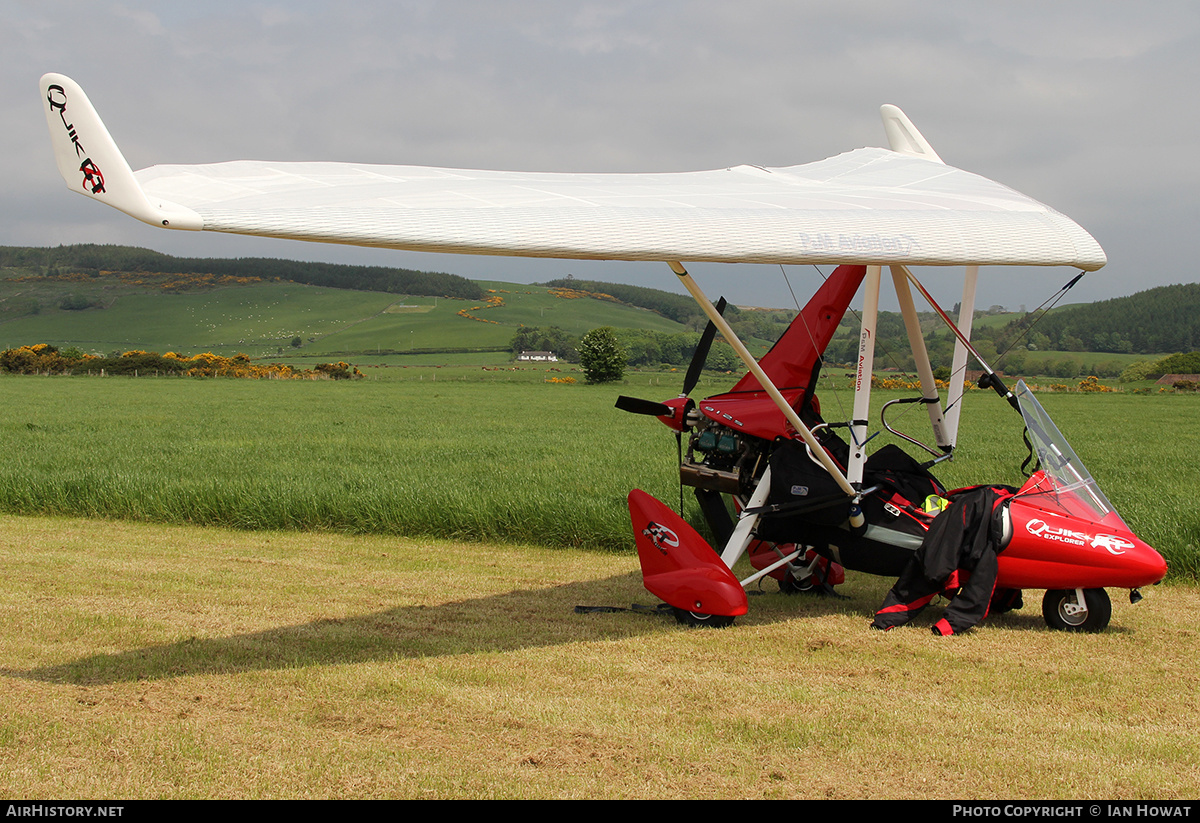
(498, 623)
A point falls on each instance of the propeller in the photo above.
(690, 378)
(701, 354)
(674, 412)
(640, 406)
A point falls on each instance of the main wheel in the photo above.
(695, 620)
(1060, 616)
(819, 576)
(790, 585)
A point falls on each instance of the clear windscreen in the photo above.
(1070, 481)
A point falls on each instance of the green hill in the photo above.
(107, 298)
(104, 310)
(677, 307)
(1155, 321)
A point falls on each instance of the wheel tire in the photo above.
(790, 585)
(1099, 610)
(694, 620)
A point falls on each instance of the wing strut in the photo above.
(958, 366)
(862, 376)
(921, 358)
(769, 387)
(990, 377)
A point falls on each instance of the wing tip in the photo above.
(90, 162)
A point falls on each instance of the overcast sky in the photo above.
(1089, 107)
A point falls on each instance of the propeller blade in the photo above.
(639, 406)
(701, 354)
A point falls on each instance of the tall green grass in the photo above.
(477, 460)
(478, 455)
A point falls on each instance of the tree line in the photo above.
(93, 259)
(1154, 321)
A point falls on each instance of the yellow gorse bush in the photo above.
(575, 294)
(495, 301)
(45, 359)
(878, 382)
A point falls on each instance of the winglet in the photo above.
(90, 162)
(903, 136)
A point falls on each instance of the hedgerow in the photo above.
(43, 358)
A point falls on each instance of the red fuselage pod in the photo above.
(678, 565)
(1061, 541)
(752, 413)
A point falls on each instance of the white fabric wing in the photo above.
(866, 206)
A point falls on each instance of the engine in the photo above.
(722, 459)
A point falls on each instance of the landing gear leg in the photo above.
(813, 574)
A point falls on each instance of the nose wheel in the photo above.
(1063, 610)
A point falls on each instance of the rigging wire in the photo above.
(812, 340)
(889, 355)
(880, 347)
(1056, 297)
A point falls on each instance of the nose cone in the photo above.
(1127, 560)
(677, 418)
(1146, 563)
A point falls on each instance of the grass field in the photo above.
(391, 613)
(477, 454)
(142, 660)
(444, 452)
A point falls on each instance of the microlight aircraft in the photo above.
(862, 211)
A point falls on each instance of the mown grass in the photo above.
(472, 454)
(142, 660)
